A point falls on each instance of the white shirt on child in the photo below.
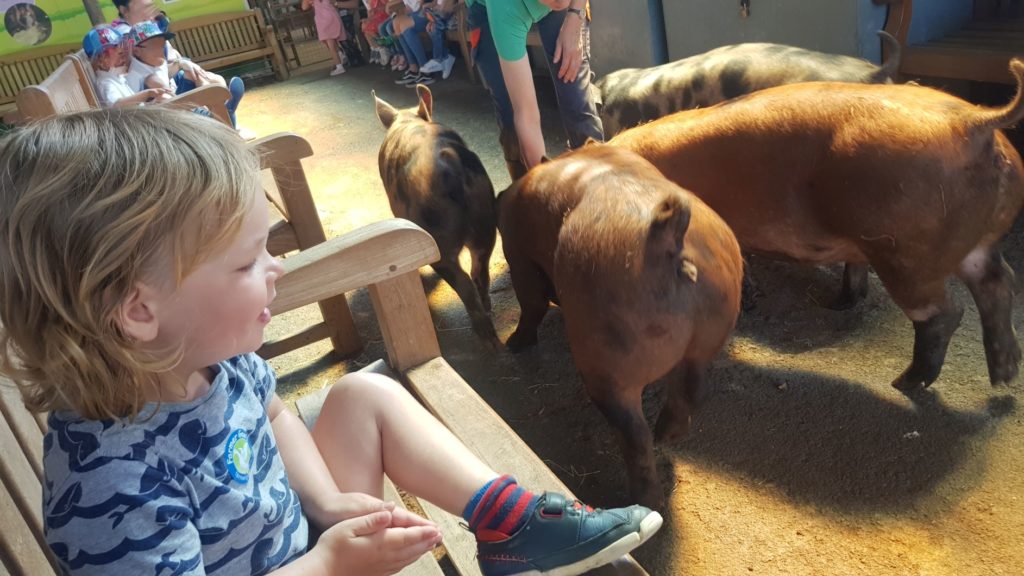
(413, 5)
(138, 71)
(111, 87)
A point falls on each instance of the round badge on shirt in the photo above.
(238, 456)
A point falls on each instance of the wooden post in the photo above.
(405, 322)
(301, 212)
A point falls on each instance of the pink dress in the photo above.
(328, 23)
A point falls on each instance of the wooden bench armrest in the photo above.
(385, 257)
(213, 97)
(366, 256)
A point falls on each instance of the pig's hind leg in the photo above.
(684, 384)
(855, 286)
(990, 280)
(935, 316)
(481, 245)
(448, 269)
(621, 404)
(532, 286)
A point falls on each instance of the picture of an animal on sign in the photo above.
(433, 179)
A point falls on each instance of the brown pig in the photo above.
(917, 183)
(648, 278)
(434, 180)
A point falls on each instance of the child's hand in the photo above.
(156, 95)
(368, 545)
(340, 506)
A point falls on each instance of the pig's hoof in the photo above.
(519, 341)
(669, 431)
(911, 380)
(1004, 365)
(845, 301)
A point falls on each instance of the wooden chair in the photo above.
(980, 51)
(386, 258)
(300, 229)
(219, 40)
(70, 89)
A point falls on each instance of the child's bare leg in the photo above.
(332, 47)
(370, 425)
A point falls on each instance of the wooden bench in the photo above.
(218, 40)
(386, 258)
(70, 89)
(980, 51)
(30, 67)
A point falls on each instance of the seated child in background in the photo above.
(168, 450)
(439, 15)
(103, 47)
(151, 68)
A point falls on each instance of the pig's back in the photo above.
(633, 96)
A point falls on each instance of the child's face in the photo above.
(151, 51)
(220, 309)
(110, 58)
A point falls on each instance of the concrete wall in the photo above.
(620, 35)
(697, 26)
(620, 32)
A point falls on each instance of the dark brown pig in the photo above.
(917, 183)
(434, 180)
(648, 278)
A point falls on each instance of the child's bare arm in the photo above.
(143, 97)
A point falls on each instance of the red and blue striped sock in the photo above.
(499, 509)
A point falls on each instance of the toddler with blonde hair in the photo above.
(134, 290)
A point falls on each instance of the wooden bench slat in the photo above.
(24, 426)
(21, 485)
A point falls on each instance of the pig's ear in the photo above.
(544, 159)
(385, 112)
(426, 109)
(590, 141)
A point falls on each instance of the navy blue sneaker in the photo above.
(237, 89)
(564, 538)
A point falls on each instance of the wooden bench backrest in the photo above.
(27, 68)
(86, 75)
(217, 35)
(23, 548)
(60, 93)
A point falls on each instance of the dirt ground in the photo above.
(803, 460)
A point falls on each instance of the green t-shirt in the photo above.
(510, 21)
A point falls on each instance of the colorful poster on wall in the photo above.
(33, 24)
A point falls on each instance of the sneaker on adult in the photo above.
(424, 79)
(447, 65)
(518, 532)
(407, 79)
(432, 65)
(339, 69)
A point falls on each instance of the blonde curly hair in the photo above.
(90, 205)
